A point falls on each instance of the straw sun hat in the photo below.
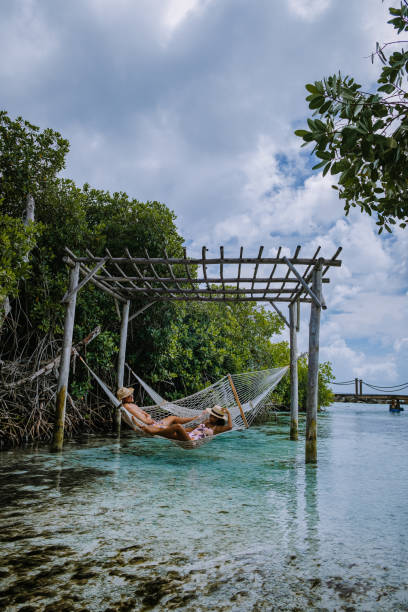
(217, 411)
(124, 392)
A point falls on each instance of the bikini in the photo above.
(200, 432)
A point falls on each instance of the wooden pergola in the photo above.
(275, 280)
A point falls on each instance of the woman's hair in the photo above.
(219, 422)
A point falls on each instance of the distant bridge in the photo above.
(384, 395)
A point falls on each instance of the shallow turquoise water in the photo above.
(239, 524)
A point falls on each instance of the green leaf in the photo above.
(326, 169)
(320, 165)
(301, 133)
(316, 102)
(387, 88)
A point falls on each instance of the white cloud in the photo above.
(357, 364)
(194, 103)
(309, 10)
(178, 10)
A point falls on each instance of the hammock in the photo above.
(253, 389)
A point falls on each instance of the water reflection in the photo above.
(312, 519)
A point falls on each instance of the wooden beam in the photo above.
(238, 280)
(229, 298)
(238, 401)
(271, 278)
(190, 279)
(141, 276)
(156, 275)
(297, 315)
(256, 267)
(83, 282)
(282, 316)
(62, 388)
(138, 312)
(200, 280)
(313, 369)
(173, 277)
(212, 261)
(293, 373)
(306, 287)
(204, 266)
(337, 253)
(121, 362)
(297, 251)
(158, 291)
(84, 271)
(306, 274)
(121, 272)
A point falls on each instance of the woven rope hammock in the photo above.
(252, 388)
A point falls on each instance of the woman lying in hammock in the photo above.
(214, 425)
(171, 426)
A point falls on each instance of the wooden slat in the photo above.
(271, 279)
(257, 266)
(199, 261)
(305, 285)
(306, 272)
(190, 279)
(241, 250)
(121, 272)
(138, 312)
(204, 266)
(216, 290)
(141, 276)
(216, 280)
(297, 250)
(282, 316)
(337, 253)
(83, 282)
(222, 266)
(232, 299)
(156, 275)
(173, 276)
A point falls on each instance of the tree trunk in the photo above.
(5, 307)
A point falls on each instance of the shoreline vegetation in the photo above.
(178, 348)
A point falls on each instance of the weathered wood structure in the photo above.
(279, 279)
(369, 398)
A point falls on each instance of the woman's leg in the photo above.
(173, 432)
(175, 420)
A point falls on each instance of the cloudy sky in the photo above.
(194, 103)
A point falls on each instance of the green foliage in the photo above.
(363, 137)
(209, 340)
(16, 242)
(325, 395)
(29, 160)
(178, 347)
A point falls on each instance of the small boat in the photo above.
(395, 406)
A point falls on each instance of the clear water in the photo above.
(239, 524)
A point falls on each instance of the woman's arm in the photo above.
(227, 427)
(139, 413)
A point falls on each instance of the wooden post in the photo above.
(298, 315)
(293, 373)
(121, 361)
(237, 400)
(58, 433)
(356, 385)
(313, 370)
